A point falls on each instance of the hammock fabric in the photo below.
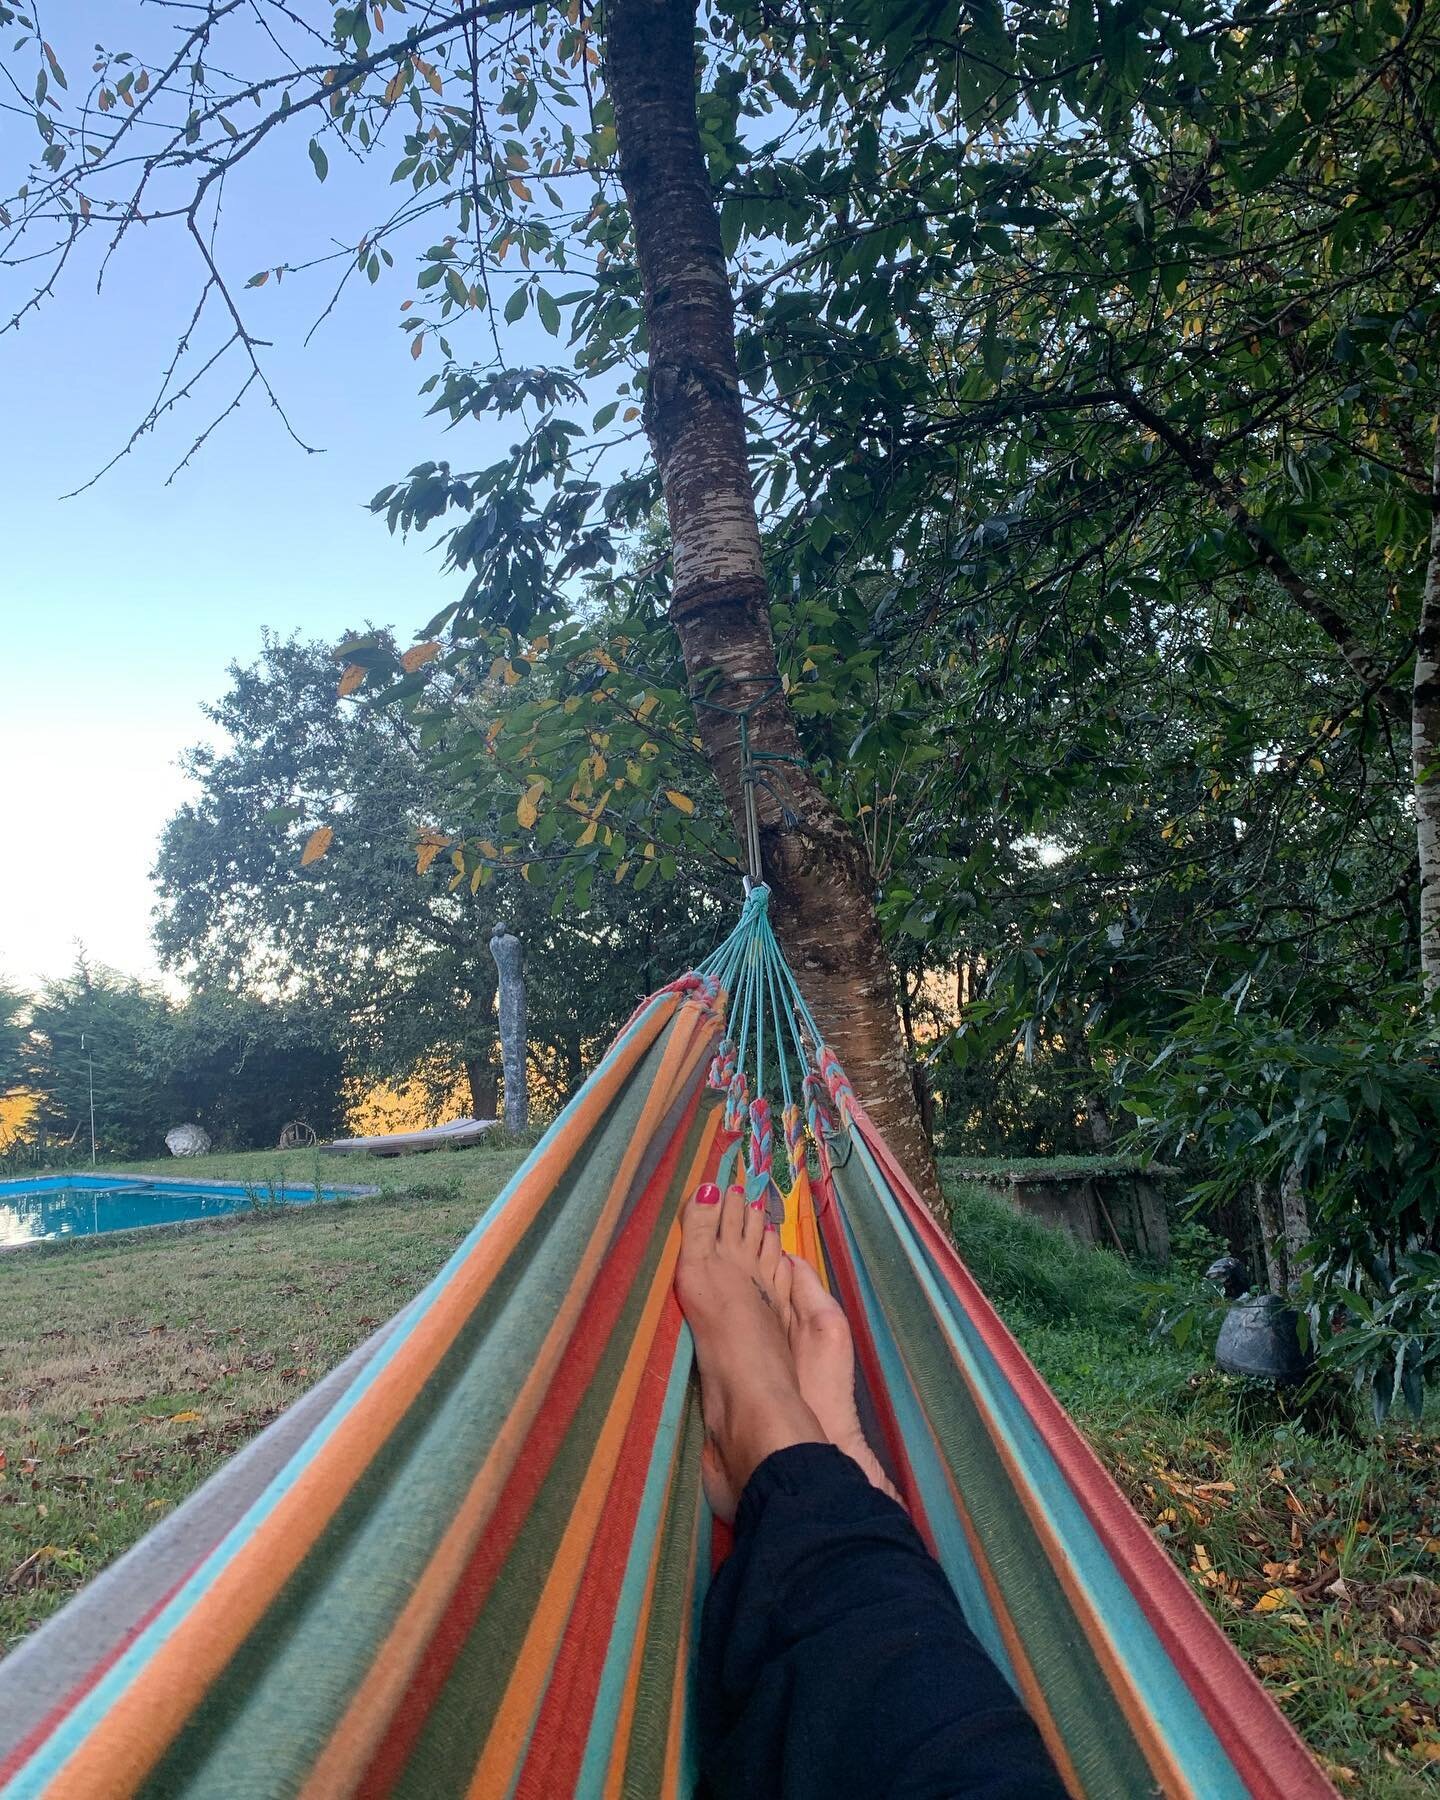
(471, 1562)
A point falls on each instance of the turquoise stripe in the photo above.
(29, 1782)
(1161, 1689)
(932, 1477)
(622, 1648)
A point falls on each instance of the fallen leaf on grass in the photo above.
(1273, 1600)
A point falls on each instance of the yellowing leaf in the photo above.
(587, 836)
(519, 189)
(681, 802)
(458, 858)
(430, 845)
(418, 655)
(187, 1417)
(1272, 1600)
(647, 706)
(351, 679)
(527, 811)
(318, 842)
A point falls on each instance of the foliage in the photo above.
(94, 1031)
(1355, 1111)
(245, 1068)
(401, 965)
(242, 1069)
(14, 1006)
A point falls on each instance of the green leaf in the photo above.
(549, 312)
(320, 160)
(516, 304)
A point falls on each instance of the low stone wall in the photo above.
(1114, 1206)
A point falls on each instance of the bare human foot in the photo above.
(749, 1392)
(777, 1364)
(824, 1355)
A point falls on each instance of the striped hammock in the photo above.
(472, 1560)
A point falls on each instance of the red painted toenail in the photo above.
(770, 1225)
(707, 1194)
(757, 1206)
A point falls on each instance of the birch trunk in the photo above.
(719, 605)
(1425, 748)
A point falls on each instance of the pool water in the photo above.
(63, 1206)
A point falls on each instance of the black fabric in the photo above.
(835, 1661)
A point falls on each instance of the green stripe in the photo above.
(1106, 1757)
(289, 1685)
(450, 1746)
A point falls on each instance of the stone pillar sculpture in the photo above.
(509, 956)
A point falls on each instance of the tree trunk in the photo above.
(719, 605)
(1425, 749)
(1295, 1223)
(483, 1091)
(1272, 1238)
(1097, 1117)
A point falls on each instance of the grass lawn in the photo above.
(130, 1367)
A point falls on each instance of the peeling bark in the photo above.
(821, 902)
(1425, 748)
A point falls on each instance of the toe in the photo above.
(807, 1294)
(732, 1218)
(699, 1218)
(754, 1226)
(770, 1256)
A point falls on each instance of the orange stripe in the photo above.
(367, 1717)
(513, 1720)
(137, 1729)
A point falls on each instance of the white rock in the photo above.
(188, 1140)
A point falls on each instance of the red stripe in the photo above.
(1267, 1753)
(593, 1331)
(563, 1726)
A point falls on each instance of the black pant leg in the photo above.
(835, 1661)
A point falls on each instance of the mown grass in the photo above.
(130, 1367)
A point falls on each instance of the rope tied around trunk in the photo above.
(751, 775)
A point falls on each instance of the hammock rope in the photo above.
(471, 1562)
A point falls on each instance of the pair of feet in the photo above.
(777, 1365)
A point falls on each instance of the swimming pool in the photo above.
(63, 1206)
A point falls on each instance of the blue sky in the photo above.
(122, 607)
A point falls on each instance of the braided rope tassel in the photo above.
(819, 1118)
(722, 1066)
(761, 1157)
(837, 1082)
(793, 1121)
(737, 1101)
